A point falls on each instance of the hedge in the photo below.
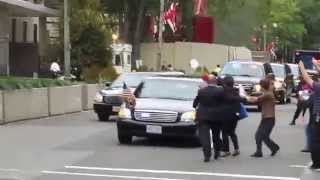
(12, 83)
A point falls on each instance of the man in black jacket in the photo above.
(210, 116)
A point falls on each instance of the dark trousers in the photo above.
(205, 139)
(301, 107)
(315, 144)
(263, 135)
(229, 130)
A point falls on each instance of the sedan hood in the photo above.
(164, 105)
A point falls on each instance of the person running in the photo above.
(302, 105)
(267, 101)
(314, 121)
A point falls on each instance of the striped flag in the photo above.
(126, 92)
(128, 96)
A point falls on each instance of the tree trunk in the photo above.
(137, 33)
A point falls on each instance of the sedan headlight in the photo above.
(188, 116)
(278, 85)
(257, 88)
(98, 98)
(124, 113)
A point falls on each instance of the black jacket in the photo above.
(210, 104)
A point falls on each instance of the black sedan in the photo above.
(109, 100)
(163, 108)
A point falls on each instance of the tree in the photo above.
(283, 19)
(89, 36)
(311, 18)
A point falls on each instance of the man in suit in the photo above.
(210, 116)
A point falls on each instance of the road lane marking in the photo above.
(10, 170)
(183, 173)
(298, 166)
(105, 175)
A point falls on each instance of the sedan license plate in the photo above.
(151, 129)
(116, 108)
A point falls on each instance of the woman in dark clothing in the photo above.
(302, 104)
(314, 106)
(231, 121)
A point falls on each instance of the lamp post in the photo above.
(265, 29)
(160, 34)
(67, 46)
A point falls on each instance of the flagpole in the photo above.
(160, 63)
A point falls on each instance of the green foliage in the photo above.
(311, 18)
(95, 74)
(89, 36)
(12, 83)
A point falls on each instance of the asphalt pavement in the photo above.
(79, 147)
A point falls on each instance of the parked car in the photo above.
(161, 112)
(109, 100)
(247, 74)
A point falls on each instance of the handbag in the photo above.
(243, 113)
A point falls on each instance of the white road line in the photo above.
(10, 170)
(183, 173)
(105, 175)
(298, 166)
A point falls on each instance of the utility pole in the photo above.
(160, 34)
(67, 46)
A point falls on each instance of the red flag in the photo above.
(170, 17)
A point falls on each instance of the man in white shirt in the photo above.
(55, 69)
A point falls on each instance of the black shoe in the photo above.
(292, 124)
(216, 155)
(314, 167)
(236, 153)
(305, 151)
(257, 155)
(274, 152)
(225, 154)
(206, 159)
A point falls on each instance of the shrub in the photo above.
(95, 74)
(12, 83)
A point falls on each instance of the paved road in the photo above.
(78, 147)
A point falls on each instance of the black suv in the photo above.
(109, 100)
(163, 108)
(248, 74)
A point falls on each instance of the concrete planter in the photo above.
(64, 100)
(88, 93)
(25, 104)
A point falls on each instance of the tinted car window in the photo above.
(278, 71)
(132, 80)
(243, 69)
(174, 89)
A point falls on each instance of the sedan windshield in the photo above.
(278, 71)
(243, 69)
(169, 89)
(132, 80)
(294, 70)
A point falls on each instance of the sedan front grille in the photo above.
(156, 116)
(114, 100)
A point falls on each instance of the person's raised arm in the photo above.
(316, 64)
(304, 74)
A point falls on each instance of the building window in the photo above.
(35, 33)
(25, 31)
(118, 60)
(13, 30)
